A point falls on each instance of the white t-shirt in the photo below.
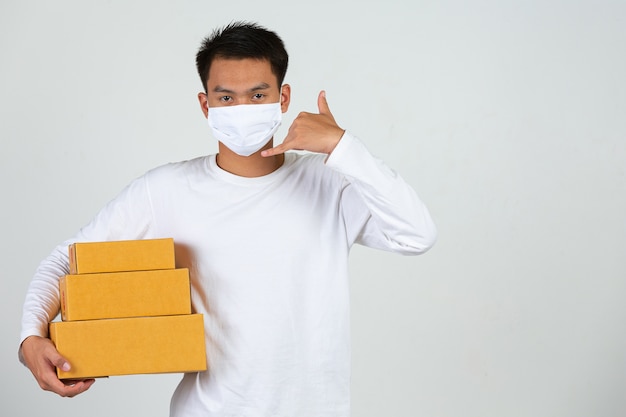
(268, 261)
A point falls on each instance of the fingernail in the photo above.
(65, 367)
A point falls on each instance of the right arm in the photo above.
(36, 351)
(128, 216)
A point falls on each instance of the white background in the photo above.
(508, 117)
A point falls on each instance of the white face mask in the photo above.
(245, 128)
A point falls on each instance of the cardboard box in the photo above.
(121, 255)
(125, 294)
(143, 345)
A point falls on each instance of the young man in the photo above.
(266, 235)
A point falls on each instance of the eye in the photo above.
(226, 99)
(258, 96)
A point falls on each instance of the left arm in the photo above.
(392, 215)
(394, 218)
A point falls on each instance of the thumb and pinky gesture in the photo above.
(314, 132)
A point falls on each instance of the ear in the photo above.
(285, 98)
(204, 104)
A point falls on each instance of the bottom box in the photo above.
(140, 345)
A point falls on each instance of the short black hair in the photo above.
(240, 40)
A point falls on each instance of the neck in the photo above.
(254, 165)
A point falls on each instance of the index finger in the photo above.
(65, 388)
(71, 388)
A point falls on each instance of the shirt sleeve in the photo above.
(385, 211)
(128, 216)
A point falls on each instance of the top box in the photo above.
(121, 256)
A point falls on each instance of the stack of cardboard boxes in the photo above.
(126, 309)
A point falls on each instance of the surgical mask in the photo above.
(245, 128)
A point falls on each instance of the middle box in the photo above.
(125, 294)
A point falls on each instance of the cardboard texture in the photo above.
(144, 345)
(119, 256)
(125, 294)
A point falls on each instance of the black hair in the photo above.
(240, 40)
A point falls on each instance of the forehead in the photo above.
(240, 73)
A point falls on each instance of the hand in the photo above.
(42, 358)
(311, 132)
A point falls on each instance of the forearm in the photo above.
(41, 304)
(399, 221)
(127, 216)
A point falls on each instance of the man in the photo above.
(266, 235)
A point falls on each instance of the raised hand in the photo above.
(311, 132)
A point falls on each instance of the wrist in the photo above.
(336, 139)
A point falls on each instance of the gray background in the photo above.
(506, 116)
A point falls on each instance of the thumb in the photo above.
(322, 104)
(59, 361)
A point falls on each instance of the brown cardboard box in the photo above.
(140, 345)
(121, 255)
(125, 294)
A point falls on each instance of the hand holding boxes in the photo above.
(126, 309)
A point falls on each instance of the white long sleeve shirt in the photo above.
(268, 261)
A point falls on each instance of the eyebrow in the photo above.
(261, 86)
